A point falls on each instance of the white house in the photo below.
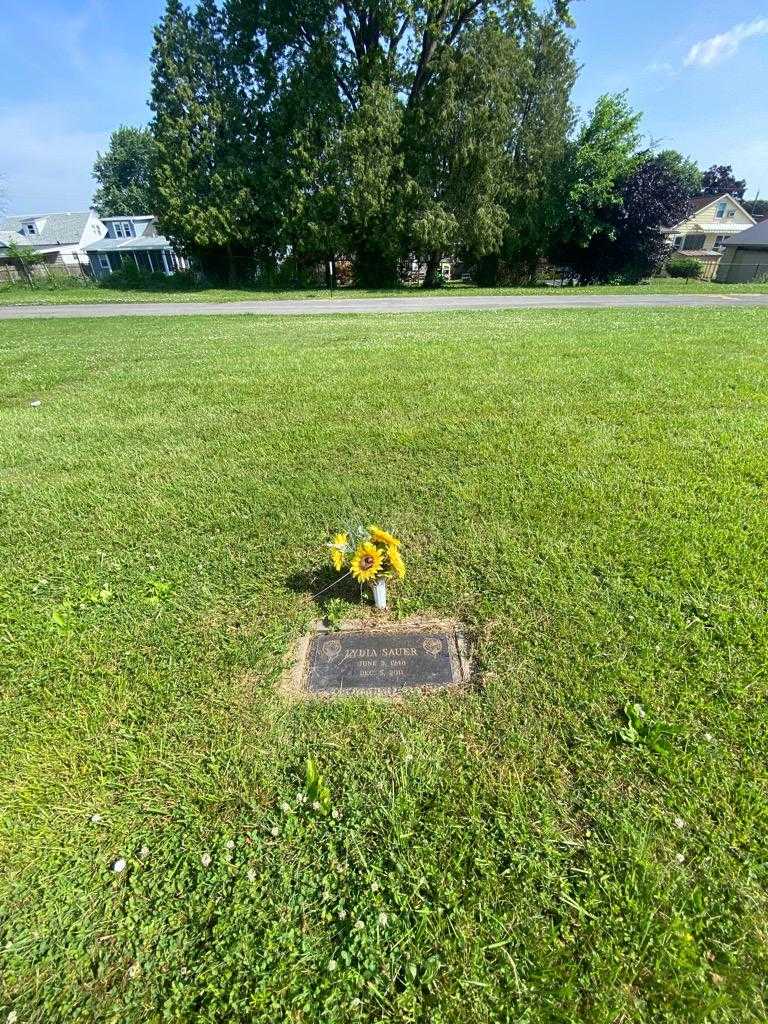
(98, 244)
(714, 218)
(61, 238)
(135, 241)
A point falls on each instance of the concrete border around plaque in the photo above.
(381, 659)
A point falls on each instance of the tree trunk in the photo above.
(433, 266)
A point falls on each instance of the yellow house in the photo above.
(714, 218)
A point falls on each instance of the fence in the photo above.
(43, 273)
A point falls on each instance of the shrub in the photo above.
(130, 278)
(684, 266)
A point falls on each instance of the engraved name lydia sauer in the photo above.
(385, 652)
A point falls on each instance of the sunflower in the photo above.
(367, 562)
(338, 550)
(396, 560)
(382, 537)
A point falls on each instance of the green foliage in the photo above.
(640, 730)
(335, 610)
(312, 130)
(316, 788)
(604, 154)
(124, 174)
(538, 146)
(206, 160)
(130, 278)
(757, 207)
(684, 266)
(683, 168)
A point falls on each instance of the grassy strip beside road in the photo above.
(587, 491)
(22, 295)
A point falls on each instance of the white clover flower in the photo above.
(119, 865)
(35, 405)
(251, 876)
(342, 915)
(374, 886)
(12, 1017)
(134, 970)
(679, 822)
(680, 858)
(206, 859)
(359, 926)
(315, 805)
(274, 831)
(332, 965)
(355, 1003)
(285, 807)
(95, 819)
(335, 814)
(301, 798)
(383, 919)
(708, 737)
(230, 844)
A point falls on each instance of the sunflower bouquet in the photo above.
(373, 556)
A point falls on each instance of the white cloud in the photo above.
(719, 48)
(660, 68)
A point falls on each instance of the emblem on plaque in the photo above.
(332, 649)
(433, 646)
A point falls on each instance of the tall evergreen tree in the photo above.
(399, 155)
(538, 123)
(206, 147)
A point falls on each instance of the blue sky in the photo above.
(72, 70)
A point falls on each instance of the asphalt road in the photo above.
(421, 304)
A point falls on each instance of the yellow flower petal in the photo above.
(382, 536)
(366, 562)
(338, 550)
(396, 560)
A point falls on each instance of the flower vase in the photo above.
(379, 588)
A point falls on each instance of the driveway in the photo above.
(421, 304)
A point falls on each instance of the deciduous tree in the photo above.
(124, 173)
(720, 179)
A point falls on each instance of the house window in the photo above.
(693, 242)
(118, 229)
(677, 242)
(30, 228)
(127, 229)
(104, 263)
(721, 208)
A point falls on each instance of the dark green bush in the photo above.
(684, 266)
(130, 278)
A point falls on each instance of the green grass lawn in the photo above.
(585, 490)
(22, 295)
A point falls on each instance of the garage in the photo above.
(745, 259)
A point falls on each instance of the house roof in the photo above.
(754, 236)
(699, 202)
(9, 237)
(58, 229)
(129, 244)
